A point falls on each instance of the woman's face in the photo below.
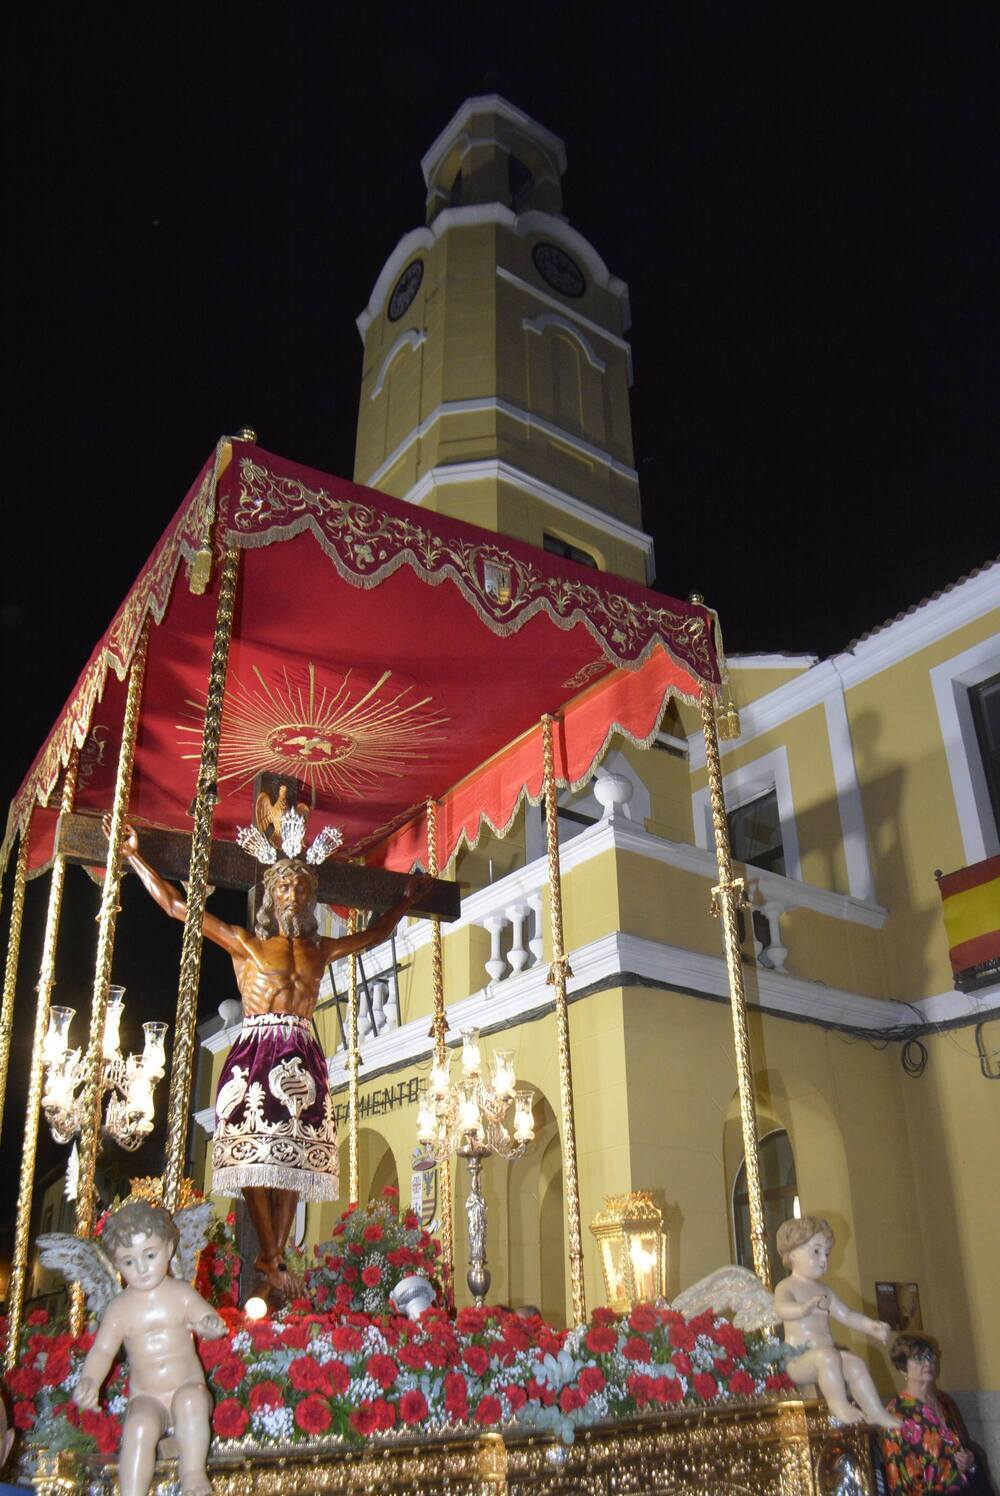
(921, 1372)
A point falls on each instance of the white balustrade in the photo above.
(536, 945)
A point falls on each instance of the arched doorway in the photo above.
(779, 1187)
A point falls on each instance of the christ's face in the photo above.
(810, 1259)
(294, 903)
(144, 1263)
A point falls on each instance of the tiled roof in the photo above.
(880, 628)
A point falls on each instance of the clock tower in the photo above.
(496, 366)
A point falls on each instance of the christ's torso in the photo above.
(280, 975)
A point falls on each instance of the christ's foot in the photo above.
(845, 1412)
(196, 1484)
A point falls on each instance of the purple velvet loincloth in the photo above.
(275, 1123)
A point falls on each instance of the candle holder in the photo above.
(127, 1082)
(468, 1117)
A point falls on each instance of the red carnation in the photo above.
(571, 1398)
(741, 1384)
(230, 1418)
(601, 1340)
(731, 1340)
(778, 1382)
(313, 1414)
(411, 1220)
(673, 1392)
(382, 1369)
(265, 1395)
(371, 1276)
(412, 1406)
(343, 1295)
(364, 1420)
(24, 1381)
(295, 1337)
(516, 1396)
(373, 1232)
(636, 1349)
(682, 1361)
(25, 1414)
(211, 1352)
(339, 1377)
(469, 1321)
(604, 1316)
(591, 1380)
(38, 1317)
(390, 1192)
(682, 1337)
(706, 1386)
(643, 1318)
(229, 1373)
(489, 1411)
(307, 1375)
(264, 1336)
(640, 1387)
(476, 1359)
(346, 1338)
(350, 1275)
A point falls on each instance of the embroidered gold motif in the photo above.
(366, 543)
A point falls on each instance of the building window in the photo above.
(780, 1190)
(557, 547)
(755, 833)
(518, 182)
(984, 702)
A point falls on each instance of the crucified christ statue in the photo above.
(275, 1124)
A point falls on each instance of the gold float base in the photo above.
(782, 1449)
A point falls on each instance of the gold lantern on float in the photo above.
(633, 1248)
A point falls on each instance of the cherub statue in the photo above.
(154, 1317)
(804, 1305)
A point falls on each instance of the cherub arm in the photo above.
(346, 945)
(877, 1329)
(230, 937)
(107, 1344)
(201, 1319)
(788, 1307)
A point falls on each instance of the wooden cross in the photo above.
(80, 839)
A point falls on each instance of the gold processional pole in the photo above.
(439, 1028)
(46, 982)
(728, 898)
(90, 1110)
(353, 1060)
(206, 795)
(13, 951)
(558, 972)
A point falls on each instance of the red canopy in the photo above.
(382, 653)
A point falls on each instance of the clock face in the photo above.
(406, 288)
(562, 273)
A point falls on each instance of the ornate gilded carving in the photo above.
(783, 1449)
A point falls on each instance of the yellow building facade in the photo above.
(495, 388)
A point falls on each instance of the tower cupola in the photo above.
(492, 152)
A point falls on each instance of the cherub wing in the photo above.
(264, 813)
(733, 1289)
(82, 1261)
(193, 1223)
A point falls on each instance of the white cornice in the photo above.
(538, 324)
(493, 469)
(928, 625)
(771, 661)
(550, 144)
(490, 403)
(412, 339)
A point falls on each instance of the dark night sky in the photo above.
(801, 199)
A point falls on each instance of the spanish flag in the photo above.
(971, 900)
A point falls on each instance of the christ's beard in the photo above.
(295, 925)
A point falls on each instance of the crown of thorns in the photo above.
(289, 842)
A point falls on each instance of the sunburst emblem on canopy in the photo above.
(340, 742)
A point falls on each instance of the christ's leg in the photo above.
(145, 1421)
(865, 1393)
(283, 1207)
(192, 1414)
(268, 1261)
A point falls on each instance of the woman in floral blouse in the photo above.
(928, 1453)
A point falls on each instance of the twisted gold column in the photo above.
(439, 1028)
(46, 981)
(13, 951)
(90, 1111)
(729, 896)
(558, 972)
(206, 794)
(353, 1139)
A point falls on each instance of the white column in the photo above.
(775, 953)
(519, 956)
(496, 965)
(536, 945)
